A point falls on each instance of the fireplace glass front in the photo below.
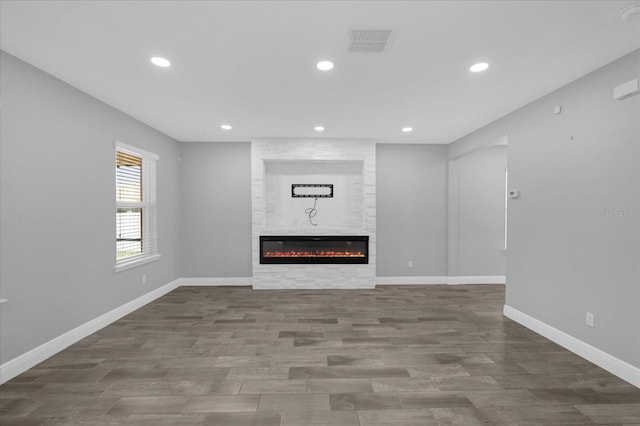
(314, 249)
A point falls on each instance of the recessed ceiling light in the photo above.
(324, 65)
(226, 127)
(407, 129)
(479, 67)
(318, 129)
(160, 62)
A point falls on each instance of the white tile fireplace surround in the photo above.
(350, 166)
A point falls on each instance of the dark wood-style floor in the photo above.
(419, 355)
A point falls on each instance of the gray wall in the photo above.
(476, 198)
(216, 220)
(568, 251)
(411, 211)
(57, 216)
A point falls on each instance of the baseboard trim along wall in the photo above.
(229, 281)
(615, 366)
(410, 280)
(22, 363)
(492, 279)
(470, 279)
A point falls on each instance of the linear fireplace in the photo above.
(314, 249)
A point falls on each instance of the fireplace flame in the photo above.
(320, 253)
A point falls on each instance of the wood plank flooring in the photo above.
(414, 355)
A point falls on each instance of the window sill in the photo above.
(136, 263)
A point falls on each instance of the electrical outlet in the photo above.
(144, 278)
(410, 264)
(590, 320)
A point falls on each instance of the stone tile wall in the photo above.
(313, 276)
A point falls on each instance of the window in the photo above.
(136, 227)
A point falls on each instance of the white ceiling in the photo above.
(252, 64)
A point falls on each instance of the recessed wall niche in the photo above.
(343, 210)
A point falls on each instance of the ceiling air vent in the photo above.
(368, 40)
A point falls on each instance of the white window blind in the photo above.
(136, 206)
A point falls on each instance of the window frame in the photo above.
(148, 206)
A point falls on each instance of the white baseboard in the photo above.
(22, 363)
(489, 279)
(230, 281)
(615, 366)
(410, 280)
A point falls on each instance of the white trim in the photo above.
(488, 279)
(231, 281)
(135, 150)
(614, 365)
(137, 262)
(410, 280)
(22, 363)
